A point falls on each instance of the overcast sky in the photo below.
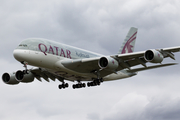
(99, 26)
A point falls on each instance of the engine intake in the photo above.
(24, 77)
(9, 78)
(108, 63)
(153, 56)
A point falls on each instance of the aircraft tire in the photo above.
(74, 86)
(60, 86)
(66, 85)
(84, 85)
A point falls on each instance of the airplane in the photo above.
(53, 60)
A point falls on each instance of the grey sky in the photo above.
(99, 26)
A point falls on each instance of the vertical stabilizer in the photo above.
(129, 42)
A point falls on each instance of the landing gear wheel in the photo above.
(60, 86)
(64, 85)
(95, 82)
(79, 85)
(88, 84)
(83, 85)
(74, 86)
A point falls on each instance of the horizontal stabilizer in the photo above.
(151, 67)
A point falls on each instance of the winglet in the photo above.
(129, 42)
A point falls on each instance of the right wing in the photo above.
(124, 61)
(131, 59)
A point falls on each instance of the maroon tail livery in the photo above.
(129, 42)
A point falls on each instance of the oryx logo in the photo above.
(128, 47)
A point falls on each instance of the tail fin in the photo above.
(129, 42)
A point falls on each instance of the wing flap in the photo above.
(167, 52)
(151, 67)
(172, 49)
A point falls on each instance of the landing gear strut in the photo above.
(96, 81)
(64, 85)
(25, 66)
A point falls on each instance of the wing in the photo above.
(132, 59)
(91, 65)
(82, 65)
(87, 65)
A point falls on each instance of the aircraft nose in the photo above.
(18, 55)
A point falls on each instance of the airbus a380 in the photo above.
(52, 60)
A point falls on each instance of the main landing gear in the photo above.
(79, 85)
(95, 82)
(63, 86)
(89, 84)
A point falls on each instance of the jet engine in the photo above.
(21, 76)
(17, 77)
(108, 63)
(153, 56)
(9, 78)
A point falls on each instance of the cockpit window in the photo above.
(23, 45)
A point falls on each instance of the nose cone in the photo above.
(18, 55)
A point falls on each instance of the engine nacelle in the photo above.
(153, 56)
(9, 78)
(108, 63)
(20, 76)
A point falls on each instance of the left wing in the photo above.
(39, 73)
(85, 65)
